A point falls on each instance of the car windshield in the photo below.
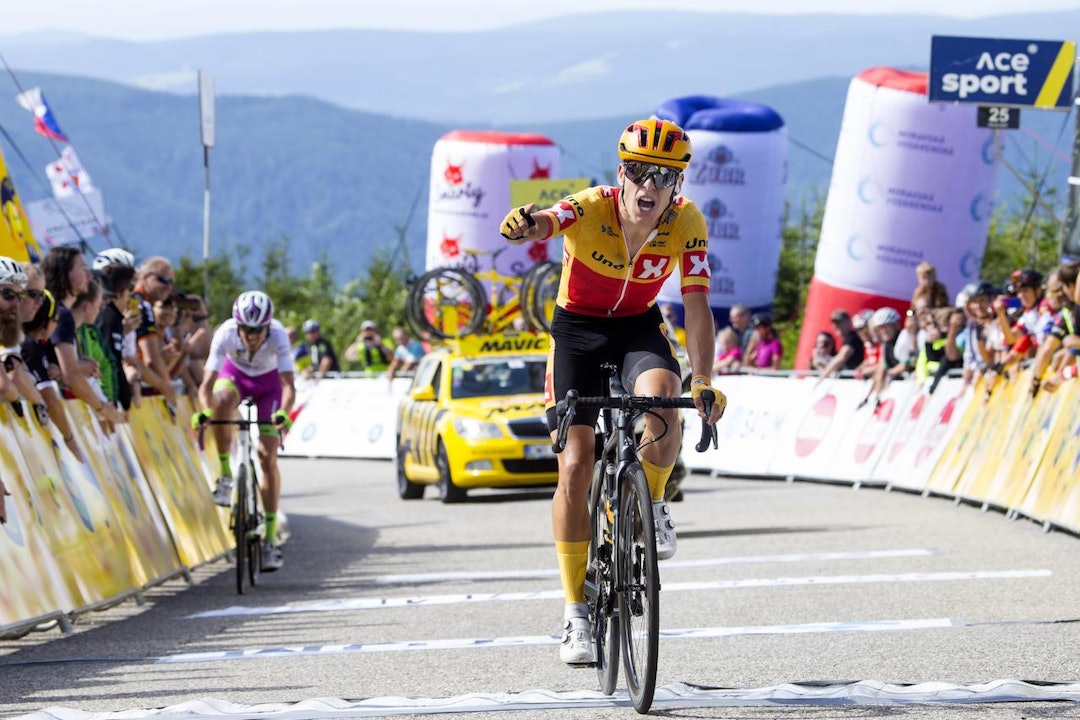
(503, 376)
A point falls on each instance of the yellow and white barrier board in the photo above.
(83, 534)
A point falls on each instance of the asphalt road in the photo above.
(785, 600)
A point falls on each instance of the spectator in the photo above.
(11, 354)
(739, 317)
(1063, 334)
(939, 326)
(90, 344)
(729, 352)
(407, 353)
(906, 347)
(884, 324)
(195, 333)
(12, 297)
(40, 359)
(153, 283)
(766, 352)
(1017, 322)
(977, 352)
(824, 350)
(368, 351)
(851, 352)
(320, 350)
(929, 287)
(66, 277)
(871, 349)
(117, 281)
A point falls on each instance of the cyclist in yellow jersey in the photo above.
(620, 244)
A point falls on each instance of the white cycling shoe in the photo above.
(577, 646)
(666, 542)
(223, 492)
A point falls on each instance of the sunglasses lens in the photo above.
(11, 295)
(662, 176)
(35, 294)
(165, 279)
(251, 329)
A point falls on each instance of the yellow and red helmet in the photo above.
(655, 141)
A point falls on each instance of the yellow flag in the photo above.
(16, 240)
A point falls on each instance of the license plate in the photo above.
(538, 452)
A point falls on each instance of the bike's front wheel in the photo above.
(603, 609)
(240, 521)
(639, 596)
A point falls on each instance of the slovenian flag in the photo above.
(44, 121)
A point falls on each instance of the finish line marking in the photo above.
(711, 562)
(533, 640)
(670, 696)
(381, 603)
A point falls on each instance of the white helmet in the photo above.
(253, 308)
(884, 316)
(113, 256)
(11, 272)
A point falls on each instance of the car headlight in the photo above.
(473, 429)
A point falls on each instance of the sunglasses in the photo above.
(252, 329)
(639, 172)
(35, 295)
(164, 279)
(12, 295)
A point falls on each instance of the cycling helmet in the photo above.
(11, 272)
(979, 289)
(1027, 278)
(884, 316)
(861, 318)
(253, 308)
(311, 326)
(113, 256)
(655, 141)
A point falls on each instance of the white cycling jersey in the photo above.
(274, 354)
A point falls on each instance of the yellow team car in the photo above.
(474, 417)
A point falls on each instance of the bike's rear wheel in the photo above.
(639, 599)
(241, 521)
(603, 608)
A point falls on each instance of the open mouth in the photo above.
(646, 204)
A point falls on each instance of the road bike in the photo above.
(622, 581)
(246, 519)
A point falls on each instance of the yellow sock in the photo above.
(657, 477)
(573, 557)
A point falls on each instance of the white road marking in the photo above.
(667, 587)
(670, 696)
(532, 640)
(404, 579)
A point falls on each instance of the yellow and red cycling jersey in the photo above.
(598, 277)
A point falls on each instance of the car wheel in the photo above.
(406, 488)
(448, 491)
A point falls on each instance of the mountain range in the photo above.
(325, 137)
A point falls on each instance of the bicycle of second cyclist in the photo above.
(622, 585)
(246, 520)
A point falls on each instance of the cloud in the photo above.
(585, 71)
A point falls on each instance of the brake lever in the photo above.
(708, 432)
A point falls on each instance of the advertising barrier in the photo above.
(82, 535)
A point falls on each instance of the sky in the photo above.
(161, 19)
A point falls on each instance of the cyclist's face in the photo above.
(645, 202)
(253, 337)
